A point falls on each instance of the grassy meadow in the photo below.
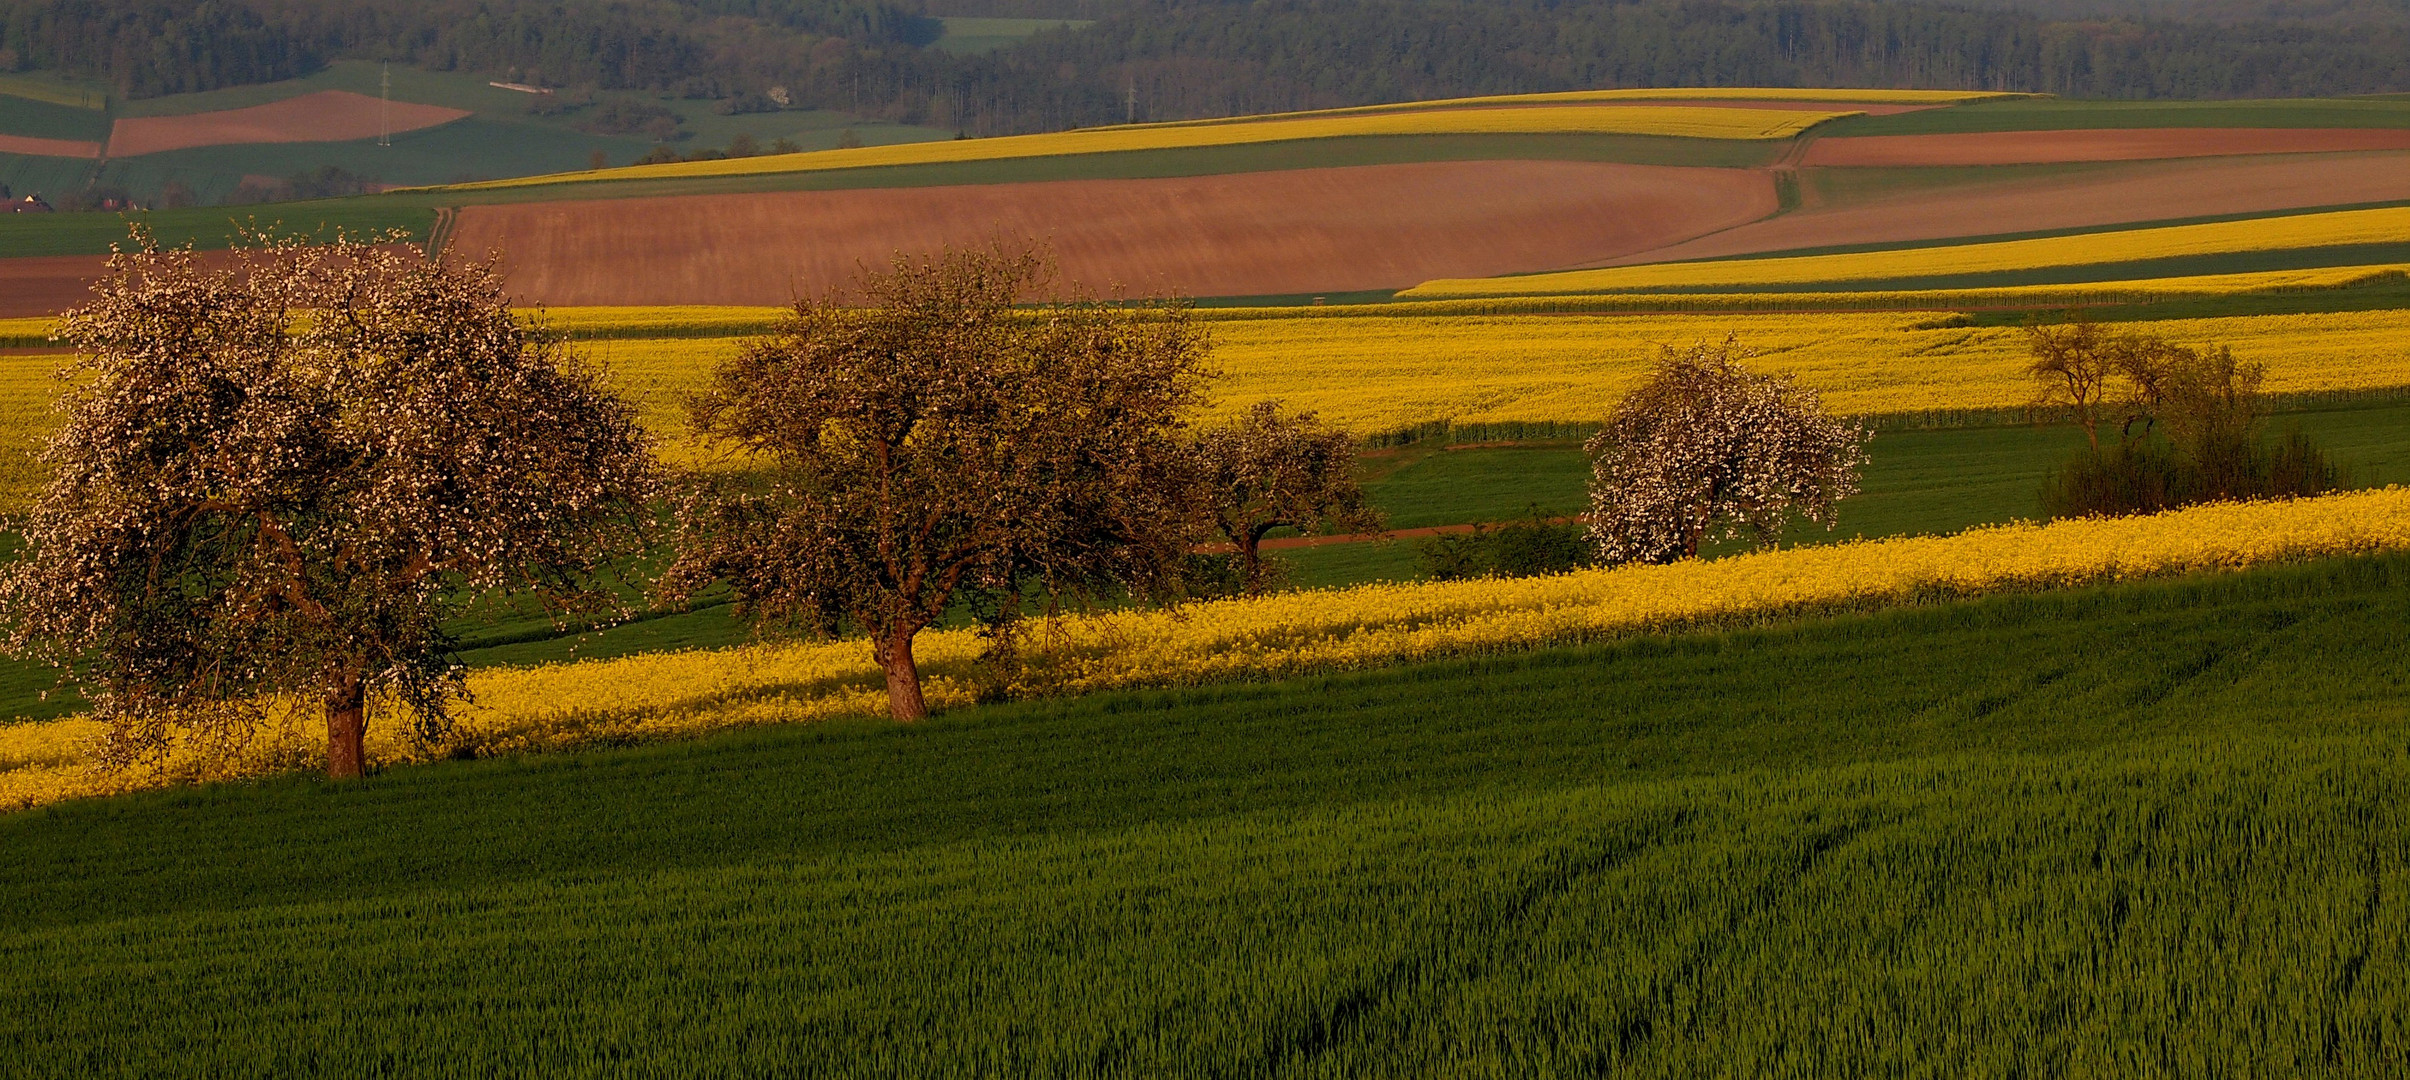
(2144, 830)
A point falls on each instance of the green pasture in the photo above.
(2147, 830)
(54, 89)
(503, 138)
(1181, 161)
(2051, 113)
(2224, 262)
(983, 35)
(53, 178)
(51, 120)
(1911, 182)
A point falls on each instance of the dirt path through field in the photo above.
(2145, 192)
(2114, 144)
(325, 116)
(1311, 230)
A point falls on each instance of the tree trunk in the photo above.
(1251, 561)
(903, 677)
(346, 731)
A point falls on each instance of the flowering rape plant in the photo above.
(1705, 445)
(282, 477)
(674, 694)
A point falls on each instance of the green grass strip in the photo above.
(1992, 838)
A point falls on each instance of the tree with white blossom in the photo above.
(1708, 450)
(283, 476)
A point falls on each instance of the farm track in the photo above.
(1311, 230)
(2135, 194)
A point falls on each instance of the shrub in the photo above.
(1528, 548)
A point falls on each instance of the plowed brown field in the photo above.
(27, 144)
(1310, 230)
(2157, 191)
(326, 116)
(2128, 144)
(46, 284)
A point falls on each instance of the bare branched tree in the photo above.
(1269, 469)
(1706, 448)
(936, 446)
(284, 476)
(2074, 367)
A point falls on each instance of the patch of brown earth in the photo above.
(47, 284)
(67, 148)
(1309, 230)
(325, 116)
(2138, 193)
(2115, 144)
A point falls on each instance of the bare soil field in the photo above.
(49, 284)
(326, 116)
(1311, 230)
(2131, 144)
(67, 148)
(2155, 191)
(46, 284)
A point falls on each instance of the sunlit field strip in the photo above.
(1375, 375)
(2129, 291)
(2383, 225)
(716, 321)
(1738, 94)
(1381, 374)
(26, 393)
(672, 694)
(1698, 122)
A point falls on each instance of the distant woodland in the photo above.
(1192, 58)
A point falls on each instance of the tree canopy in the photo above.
(1707, 449)
(937, 447)
(1270, 469)
(282, 477)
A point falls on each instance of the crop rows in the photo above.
(668, 694)
(2387, 225)
(1697, 122)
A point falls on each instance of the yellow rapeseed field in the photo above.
(27, 389)
(2380, 226)
(1699, 122)
(671, 694)
(692, 320)
(1381, 373)
(1742, 94)
(26, 333)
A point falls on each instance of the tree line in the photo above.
(1194, 58)
(290, 476)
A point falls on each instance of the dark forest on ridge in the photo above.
(1195, 58)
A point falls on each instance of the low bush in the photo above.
(1515, 549)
